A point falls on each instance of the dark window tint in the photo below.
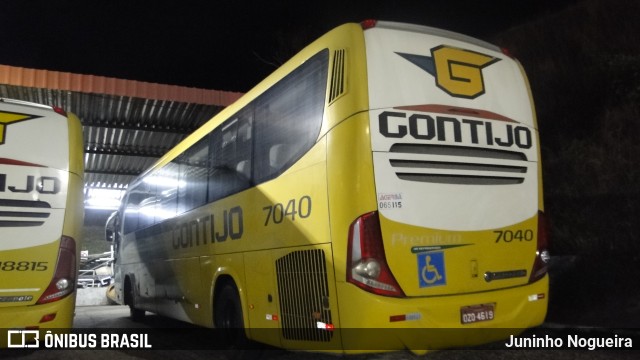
(255, 145)
(288, 118)
(231, 156)
(139, 209)
(194, 168)
(167, 181)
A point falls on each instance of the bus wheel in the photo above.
(136, 315)
(228, 316)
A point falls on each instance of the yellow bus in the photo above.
(387, 177)
(41, 212)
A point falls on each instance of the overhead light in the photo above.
(103, 199)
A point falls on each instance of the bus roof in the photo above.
(435, 31)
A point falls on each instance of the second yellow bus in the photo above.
(41, 212)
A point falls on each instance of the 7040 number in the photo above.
(295, 208)
(510, 235)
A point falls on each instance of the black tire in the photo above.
(228, 317)
(136, 315)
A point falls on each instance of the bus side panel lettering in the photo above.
(205, 230)
(236, 227)
(225, 225)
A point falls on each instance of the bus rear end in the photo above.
(40, 215)
(457, 241)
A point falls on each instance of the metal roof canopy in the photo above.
(127, 124)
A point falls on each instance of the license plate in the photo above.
(477, 313)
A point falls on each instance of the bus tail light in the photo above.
(507, 52)
(64, 277)
(540, 265)
(366, 263)
(60, 111)
(368, 24)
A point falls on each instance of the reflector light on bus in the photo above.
(325, 326)
(48, 317)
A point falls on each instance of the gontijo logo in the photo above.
(458, 72)
(8, 118)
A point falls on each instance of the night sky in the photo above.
(222, 45)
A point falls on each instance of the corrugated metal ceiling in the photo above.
(124, 133)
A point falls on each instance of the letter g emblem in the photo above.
(459, 72)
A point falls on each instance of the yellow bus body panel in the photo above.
(435, 321)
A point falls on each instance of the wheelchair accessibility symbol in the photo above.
(431, 271)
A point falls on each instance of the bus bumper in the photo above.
(370, 322)
(58, 314)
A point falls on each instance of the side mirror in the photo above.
(110, 227)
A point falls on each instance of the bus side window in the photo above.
(131, 212)
(112, 232)
(244, 168)
(230, 170)
(111, 227)
(167, 192)
(288, 118)
(194, 165)
(279, 155)
(244, 151)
